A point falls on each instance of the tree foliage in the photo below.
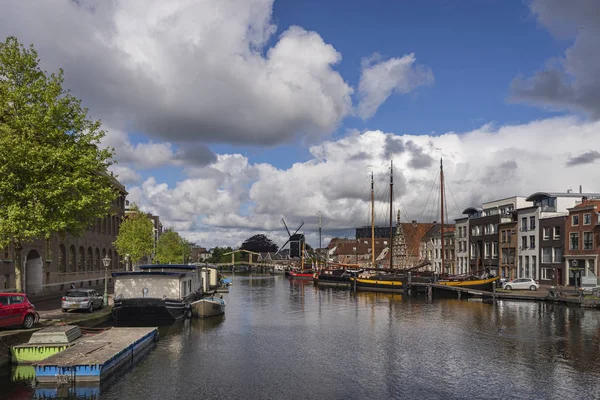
(218, 255)
(259, 244)
(135, 236)
(53, 174)
(171, 248)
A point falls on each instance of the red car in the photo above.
(15, 309)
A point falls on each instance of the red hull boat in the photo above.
(303, 274)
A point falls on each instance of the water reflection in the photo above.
(283, 338)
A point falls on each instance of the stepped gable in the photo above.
(413, 233)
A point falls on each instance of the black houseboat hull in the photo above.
(150, 310)
(333, 281)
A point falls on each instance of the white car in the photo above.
(521, 284)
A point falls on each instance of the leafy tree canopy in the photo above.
(259, 244)
(171, 248)
(53, 174)
(218, 255)
(135, 236)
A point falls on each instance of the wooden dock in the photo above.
(561, 296)
(97, 357)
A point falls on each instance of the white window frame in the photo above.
(547, 260)
(583, 241)
(546, 233)
(555, 259)
(573, 217)
(554, 235)
(546, 274)
(587, 216)
(572, 234)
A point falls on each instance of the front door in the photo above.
(34, 273)
(559, 276)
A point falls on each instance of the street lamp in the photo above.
(106, 262)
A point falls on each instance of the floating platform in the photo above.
(45, 343)
(97, 357)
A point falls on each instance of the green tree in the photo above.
(135, 236)
(218, 255)
(187, 250)
(53, 174)
(171, 248)
(259, 244)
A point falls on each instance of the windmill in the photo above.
(295, 240)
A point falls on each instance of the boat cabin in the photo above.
(159, 281)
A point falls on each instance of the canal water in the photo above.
(287, 339)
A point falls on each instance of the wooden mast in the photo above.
(442, 207)
(302, 257)
(391, 214)
(372, 222)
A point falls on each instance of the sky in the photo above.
(227, 116)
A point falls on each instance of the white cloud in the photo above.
(380, 78)
(188, 70)
(569, 82)
(125, 175)
(229, 200)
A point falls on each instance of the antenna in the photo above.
(320, 243)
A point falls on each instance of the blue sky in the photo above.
(474, 48)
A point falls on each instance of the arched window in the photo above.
(110, 255)
(98, 262)
(116, 261)
(62, 258)
(72, 259)
(89, 262)
(81, 264)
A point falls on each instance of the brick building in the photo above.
(51, 266)
(581, 241)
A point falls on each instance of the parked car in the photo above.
(15, 309)
(521, 284)
(81, 299)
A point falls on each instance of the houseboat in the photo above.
(159, 292)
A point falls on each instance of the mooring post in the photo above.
(459, 293)
(355, 279)
(494, 290)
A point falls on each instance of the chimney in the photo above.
(580, 189)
